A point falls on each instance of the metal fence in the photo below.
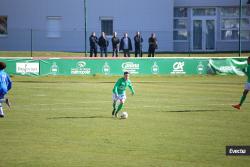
(33, 40)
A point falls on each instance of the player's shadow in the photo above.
(84, 117)
(198, 110)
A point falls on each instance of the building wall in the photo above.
(27, 22)
(221, 45)
(27, 15)
(129, 16)
(206, 3)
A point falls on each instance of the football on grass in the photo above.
(124, 115)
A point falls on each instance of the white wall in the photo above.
(130, 16)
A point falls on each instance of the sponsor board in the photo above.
(200, 68)
(54, 69)
(178, 68)
(131, 67)
(27, 68)
(80, 69)
(106, 68)
(226, 69)
(155, 68)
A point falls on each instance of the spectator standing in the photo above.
(115, 44)
(152, 41)
(126, 45)
(103, 44)
(138, 44)
(93, 41)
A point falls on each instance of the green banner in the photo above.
(22, 66)
(136, 66)
(118, 66)
(228, 66)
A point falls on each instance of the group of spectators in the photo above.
(124, 44)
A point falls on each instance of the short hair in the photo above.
(2, 65)
(126, 72)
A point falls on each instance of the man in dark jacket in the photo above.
(152, 41)
(138, 44)
(103, 44)
(93, 41)
(115, 45)
(126, 45)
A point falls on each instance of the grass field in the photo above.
(173, 121)
(74, 54)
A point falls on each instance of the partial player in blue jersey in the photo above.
(5, 86)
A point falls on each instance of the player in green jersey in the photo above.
(119, 93)
(247, 86)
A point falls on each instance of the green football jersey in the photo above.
(121, 85)
(247, 72)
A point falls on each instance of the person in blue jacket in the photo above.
(5, 86)
(126, 45)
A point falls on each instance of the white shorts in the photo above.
(247, 86)
(119, 97)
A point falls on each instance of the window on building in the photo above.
(246, 11)
(107, 26)
(180, 12)
(180, 24)
(54, 26)
(3, 25)
(245, 35)
(230, 12)
(204, 12)
(180, 34)
(230, 23)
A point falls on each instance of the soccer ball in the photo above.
(124, 115)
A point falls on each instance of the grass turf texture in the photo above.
(173, 121)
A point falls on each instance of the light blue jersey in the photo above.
(5, 83)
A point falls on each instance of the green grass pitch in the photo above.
(173, 121)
